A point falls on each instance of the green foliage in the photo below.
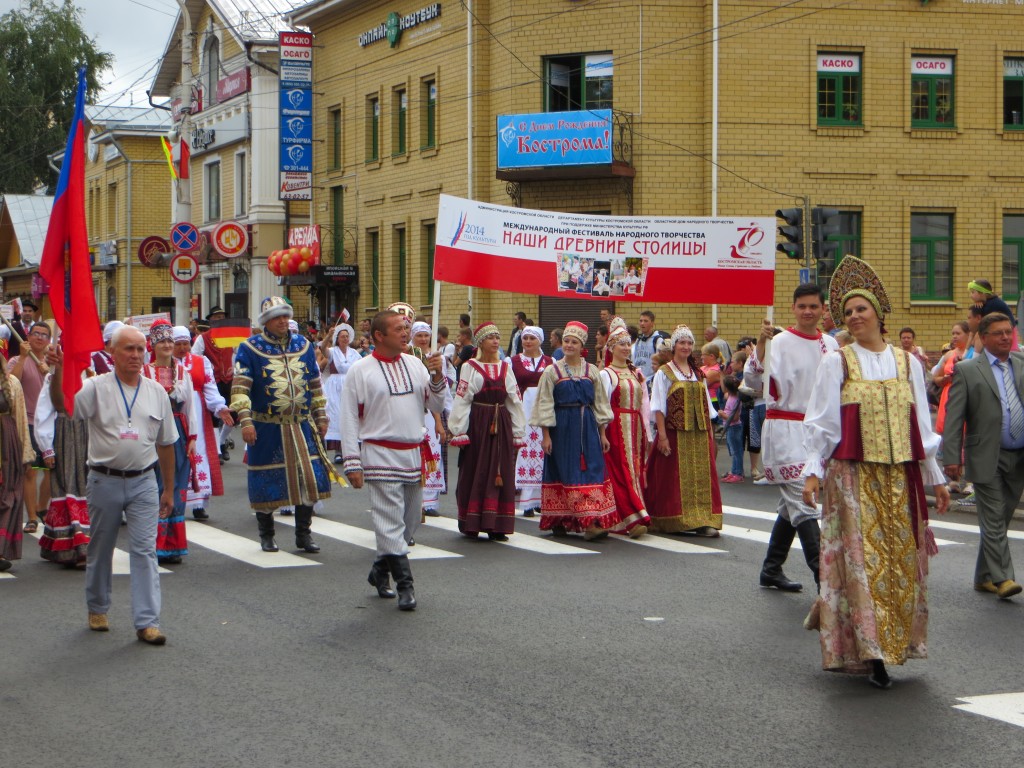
(42, 44)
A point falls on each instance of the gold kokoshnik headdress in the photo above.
(854, 277)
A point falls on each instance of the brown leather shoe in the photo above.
(98, 622)
(1008, 589)
(151, 635)
(987, 586)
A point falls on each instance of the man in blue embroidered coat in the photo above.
(276, 393)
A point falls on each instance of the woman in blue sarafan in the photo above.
(572, 408)
(282, 411)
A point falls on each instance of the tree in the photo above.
(42, 44)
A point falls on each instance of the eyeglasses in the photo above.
(40, 335)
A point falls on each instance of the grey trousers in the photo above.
(791, 504)
(137, 497)
(396, 509)
(996, 502)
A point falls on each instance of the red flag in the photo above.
(65, 260)
(184, 160)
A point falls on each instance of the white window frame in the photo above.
(241, 184)
(207, 218)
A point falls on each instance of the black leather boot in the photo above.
(810, 539)
(265, 521)
(379, 578)
(778, 549)
(400, 569)
(303, 536)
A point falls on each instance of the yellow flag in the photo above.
(167, 153)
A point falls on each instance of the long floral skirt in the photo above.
(66, 528)
(874, 567)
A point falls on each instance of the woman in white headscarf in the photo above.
(527, 367)
(339, 359)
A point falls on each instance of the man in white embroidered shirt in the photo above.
(382, 407)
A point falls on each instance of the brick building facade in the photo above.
(906, 117)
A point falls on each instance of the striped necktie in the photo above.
(1013, 404)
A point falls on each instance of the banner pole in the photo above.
(436, 315)
(767, 362)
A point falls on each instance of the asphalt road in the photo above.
(618, 654)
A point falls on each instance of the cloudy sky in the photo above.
(135, 31)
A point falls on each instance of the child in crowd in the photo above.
(733, 421)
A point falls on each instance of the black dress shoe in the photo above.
(529, 512)
(412, 542)
(200, 514)
(431, 513)
(5, 565)
(497, 537)
(171, 560)
(878, 676)
(558, 530)
(230, 444)
(224, 456)
(780, 582)
(305, 542)
(267, 544)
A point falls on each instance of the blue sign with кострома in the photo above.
(551, 139)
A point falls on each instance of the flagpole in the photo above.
(14, 333)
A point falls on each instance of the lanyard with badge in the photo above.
(128, 433)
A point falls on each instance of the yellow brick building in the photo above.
(127, 199)
(906, 117)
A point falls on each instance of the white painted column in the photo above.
(265, 208)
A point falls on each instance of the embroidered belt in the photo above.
(427, 462)
(123, 472)
(393, 444)
(270, 418)
(778, 413)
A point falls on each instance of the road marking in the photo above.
(1006, 707)
(964, 528)
(121, 566)
(763, 536)
(542, 546)
(361, 537)
(671, 545)
(658, 542)
(241, 548)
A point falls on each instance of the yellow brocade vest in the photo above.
(686, 403)
(878, 418)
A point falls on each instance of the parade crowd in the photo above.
(622, 442)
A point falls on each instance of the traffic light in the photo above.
(793, 232)
(824, 222)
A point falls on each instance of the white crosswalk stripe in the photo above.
(763, 536)
(741, 524)
(364, 538)
(121, 560)
(542, 546)
(654, 542)
(241, 548)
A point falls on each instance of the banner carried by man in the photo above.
(620, 258)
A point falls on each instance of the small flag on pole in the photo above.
(166, 145)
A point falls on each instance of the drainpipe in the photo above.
(469, 139)
(714, 128)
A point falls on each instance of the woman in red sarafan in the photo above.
(628, 433)
(487, 423)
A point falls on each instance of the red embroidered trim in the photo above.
(807, 336)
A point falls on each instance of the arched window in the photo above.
(211, 69)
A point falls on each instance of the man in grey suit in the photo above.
(987, 394)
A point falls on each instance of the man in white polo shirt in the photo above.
(131, 431)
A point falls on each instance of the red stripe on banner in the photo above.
(752, 287)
